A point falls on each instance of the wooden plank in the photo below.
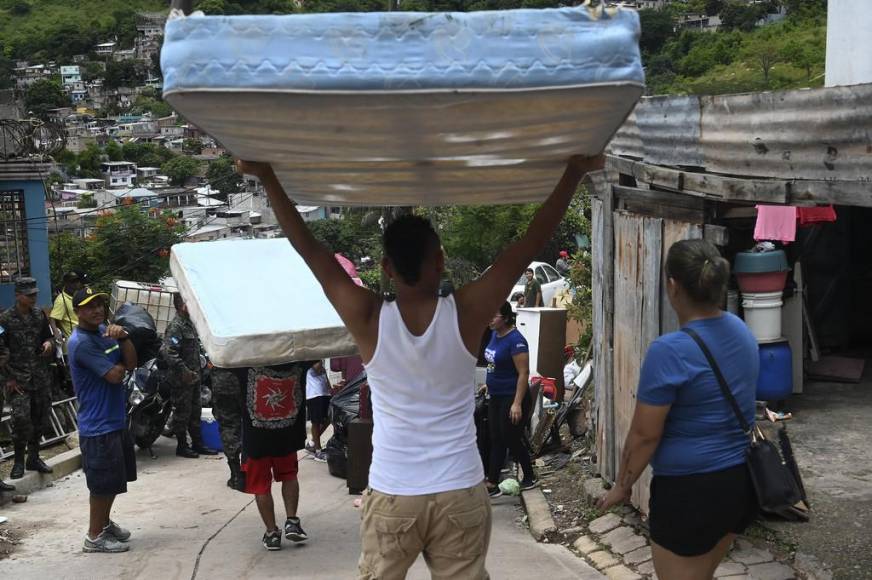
(659, 204)
(653, 236)
(856, 193)
(629, 286)
(673, 231)
(603, 306)
(597, 340)
(705, 185)
(718, 235)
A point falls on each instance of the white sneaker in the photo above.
(320, 456)
(105, 543)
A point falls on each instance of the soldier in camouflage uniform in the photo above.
(181, 353)
(228, 398)
(4, 359)
(27, 375)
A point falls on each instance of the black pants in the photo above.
(504, 435)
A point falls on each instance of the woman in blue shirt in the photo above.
(508, 373)
(701, 492)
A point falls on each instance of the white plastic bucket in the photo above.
(763, 314)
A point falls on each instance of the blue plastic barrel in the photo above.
(209, 429)
(776, 372)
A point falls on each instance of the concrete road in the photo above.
(186, 523)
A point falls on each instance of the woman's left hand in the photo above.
(515, 413)
(615, 496)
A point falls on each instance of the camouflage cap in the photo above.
(26, 286)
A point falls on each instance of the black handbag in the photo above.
(775, 484)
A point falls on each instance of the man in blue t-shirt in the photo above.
(99, 357)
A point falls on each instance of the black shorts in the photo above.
(108, 461)
(318, 409)
(690, 514)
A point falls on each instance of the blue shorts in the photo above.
(108, 461)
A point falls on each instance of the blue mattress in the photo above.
(399, 108)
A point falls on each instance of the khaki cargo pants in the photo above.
(452, 529)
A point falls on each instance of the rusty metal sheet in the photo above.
(670, 130)
(806, 134)
(627, 142)
(810, 134)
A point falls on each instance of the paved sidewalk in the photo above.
(185, 520)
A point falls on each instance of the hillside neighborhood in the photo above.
(747, 140)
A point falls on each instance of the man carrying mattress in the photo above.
(426, 483)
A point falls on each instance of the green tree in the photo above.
(738, 15)
(658, 26)
(803, 54)
(44, 95)
(86, 201)
(180, 169)
(113, 151)
(763, 51)
(125, 73)
(211, 6)
(223, 176)
(88, 162)
(146, 154)
(192, 146)
(127, 244)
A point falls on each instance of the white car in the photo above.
(552, 283)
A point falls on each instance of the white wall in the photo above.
(849, 42)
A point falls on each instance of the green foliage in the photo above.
(86, 201)
(354, 236)
(127, 244)
(146, 154)
(125, 73)
(180, 169)
(223, 176)
(785, 55)
(44, 95)
(157, 107)
(657, 28)
(479, 233)
(59, 29)
(113, 151)
(192, 146)
(87, 163)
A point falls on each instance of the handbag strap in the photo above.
(725, 389)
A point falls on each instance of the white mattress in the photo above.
(408, 108)
(255, 302)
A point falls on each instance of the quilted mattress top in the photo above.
(408, 108)
(403, 50)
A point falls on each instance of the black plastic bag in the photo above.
(337, 457)
(142, 329)
(345, 406)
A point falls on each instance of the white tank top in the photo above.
(423, 398)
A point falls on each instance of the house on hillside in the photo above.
(24, 239)
(105, 48)
(149, 33)
(70, 75)
(118, 174)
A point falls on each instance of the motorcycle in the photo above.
(148, 405)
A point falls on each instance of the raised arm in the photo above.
(357, 306)
(479, 300)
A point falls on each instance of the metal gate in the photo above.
(62, 420)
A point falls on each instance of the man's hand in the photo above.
(12, 386)
(515, 413)
(115, 331)
(615, 496)
(256, 168)
(47, 348)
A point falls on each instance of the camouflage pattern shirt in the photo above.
(181, 351)
(21, 340)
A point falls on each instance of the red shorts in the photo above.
(260, 473)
